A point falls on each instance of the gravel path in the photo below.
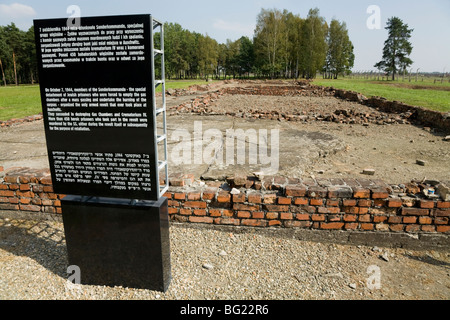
(212, 264)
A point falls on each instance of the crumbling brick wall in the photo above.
(278, 202)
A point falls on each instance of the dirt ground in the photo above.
(317, 149)
(307, 149)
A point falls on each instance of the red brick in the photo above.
(195, 204)
(316, 202)
(379, 219)
(412, 228)
(426, 204)
(349, 203)
(350, 218)
(363, 210)
(25, 201)
(227, 213)
(186, 212)
(3, 186)
(48, 189)
(30, 207)
(8, 206)
(244, 214)
(395, 220)
(47, 202)
(14, 200)
(332, 203)
(361, 193)
(179, 196)
(201, 219)
(173, 210)
(364, 203)
(409, 220)
(428, 228)
(352, 210)
(223, 197)
(209, 194)
(14, 186)
(351, 226)
(442, 213)
(295, 191)
(425, 220)
(443, 205)
(6, 193)
(297, 224)
(272, 215)
(441, 220)
(367, 226)
(11, 179)
(283, 200)
(25, 194)
(332, 226)
(4, 200)
(254, 198)
(173, 203)
(397, 227)
(318, 217)
(46, 180)
(276, 223)
(395, 203)
(380, 194)
(443, 229)
(301, 201)
(194, 196)
(254, 223)
(276, 208)
(334, 217)
(25, 187)
(215, 213)
(245, 207)
(364, 218)
(286, 216)
(415, 212)
(258, 215)
(168, 195)
(199, 212)
(302, 217)
(239, 198)
(328, 210)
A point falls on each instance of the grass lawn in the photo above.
(424, 94)
(19, 102)
(25, 100)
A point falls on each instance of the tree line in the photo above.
(18, 62)
(284, 45)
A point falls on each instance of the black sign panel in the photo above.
(97, 99)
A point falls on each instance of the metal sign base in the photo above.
(118, 242)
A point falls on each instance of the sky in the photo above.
(231, 19)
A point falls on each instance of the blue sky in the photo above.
(231, 19)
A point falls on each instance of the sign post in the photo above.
(98, 91)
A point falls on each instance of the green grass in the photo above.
(18, 102)
(424, 94)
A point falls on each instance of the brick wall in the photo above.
(326, 204)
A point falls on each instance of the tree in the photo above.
(269, 39)
(207, 55)
(313, 44)
(397, 48)
(340, 57)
